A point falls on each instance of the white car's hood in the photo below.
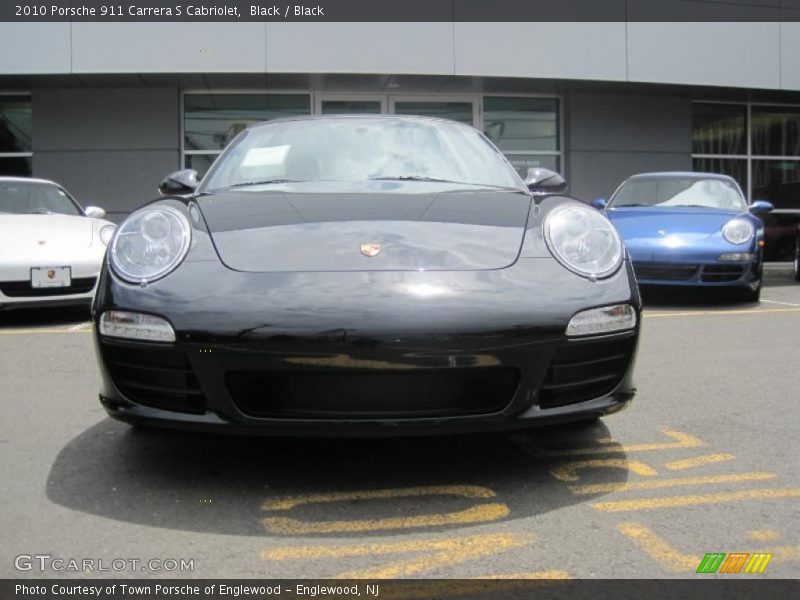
(20, 232)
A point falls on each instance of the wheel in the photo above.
(797, 263)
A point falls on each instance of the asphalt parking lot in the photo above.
(706, 460)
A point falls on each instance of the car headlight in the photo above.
(106, 233)
(738, 231)
(149, 244)
(583, 240)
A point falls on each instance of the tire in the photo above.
(797, 264)
(751, 295)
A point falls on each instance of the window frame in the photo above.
(388, 100)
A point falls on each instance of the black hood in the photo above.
(280, 231)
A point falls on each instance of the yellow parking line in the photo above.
(763, 535)
(702, 313)
(464, 491)
(475, 514)
(684, 440)
(568, 472)
(697, 461)
(659, 549)
(603, 488)
(673, 501)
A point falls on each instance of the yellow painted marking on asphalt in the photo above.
(602, 488)
(702, 313)
(697, 461)
(569, 471)
(554, 574)
(684, 440)
(446, 552)
(659, 549)
(464, 491)
(455, 552)
(674, 501)
(763, 535)
(476, 514)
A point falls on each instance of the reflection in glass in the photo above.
(213, 120)
(15, 123)
(15, 166)
(35, 198)
(523, 162)
(515, 124)
(679, 191)
(777, 181)
(775, 131)
(719, 129)
(200, 163)
(351, 107)
(457, 111)
(734, 167)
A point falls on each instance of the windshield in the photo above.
(35, 198)
(679, 191)
(362, 149)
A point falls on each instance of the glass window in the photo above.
(679, 191)
(777, 181)
(15, 166)
(351, 107)
(719, 129)
(24, 197)
(457, 111)
(520, 124)
(213, 120)
(199, 162)
(15, 124)
(523, 162)
(775, 131)
(734, 167)
(369, 149)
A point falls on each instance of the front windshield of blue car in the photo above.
(362, 149)
(680, 191)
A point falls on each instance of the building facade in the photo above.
(108, 109)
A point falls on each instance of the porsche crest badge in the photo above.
(370, 249)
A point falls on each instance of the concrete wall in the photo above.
(610, 137)
(109, 147)
(735, 54)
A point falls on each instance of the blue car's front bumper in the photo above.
(714, 274)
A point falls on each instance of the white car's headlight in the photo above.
(738, 231)
(106, 233)
(583, 240)
(149, 244)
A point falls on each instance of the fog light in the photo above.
(602, 320)
(136, 326)
(735, 257)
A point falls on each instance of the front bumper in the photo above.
(699, 274)
(318, 354)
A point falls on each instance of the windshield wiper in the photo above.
(627, 205)
(42, 211)
(416, 178)
(264, 182)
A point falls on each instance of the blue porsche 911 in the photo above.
(691, 229)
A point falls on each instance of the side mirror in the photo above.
(178, 183)
(95, 212)
(759, 207)
(600, 203)
(545, 181)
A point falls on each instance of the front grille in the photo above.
(20, 289)
(356, 394)
(584, 370)
(154, 376)
(664, 271)
(721, 273)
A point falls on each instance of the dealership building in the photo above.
(108, 108)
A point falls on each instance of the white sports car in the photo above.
(51, 249)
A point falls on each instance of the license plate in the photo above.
(51, 277)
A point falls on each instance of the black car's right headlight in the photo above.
(583, 240)
(150, 244)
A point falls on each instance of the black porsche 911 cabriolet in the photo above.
(364, 275)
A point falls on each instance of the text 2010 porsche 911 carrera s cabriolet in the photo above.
(364, 275)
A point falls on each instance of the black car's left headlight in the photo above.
(583, 240)
(150, 244)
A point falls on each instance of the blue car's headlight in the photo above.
(149, 244)
(583, 240)
(738, 231)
